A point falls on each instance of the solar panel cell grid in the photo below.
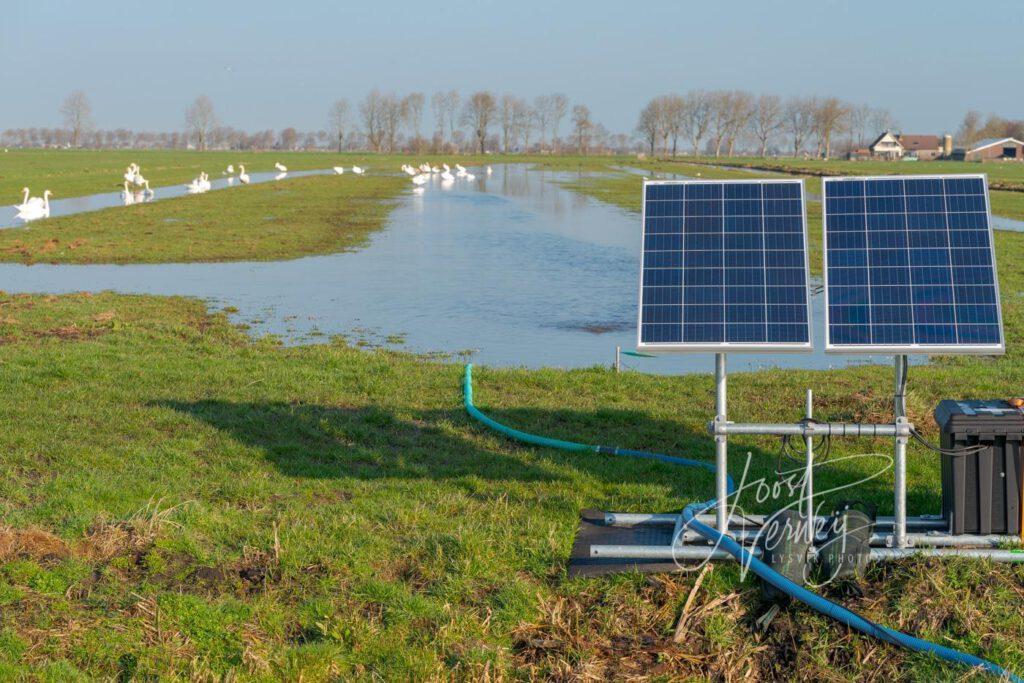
(909, 265)
(724, 265)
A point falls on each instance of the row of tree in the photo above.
(706, 122)
(721, 121)
(382, 122)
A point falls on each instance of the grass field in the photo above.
(268, 221)
(1006, 180)
(183, 502)
(72, 173)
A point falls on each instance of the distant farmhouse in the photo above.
(990, 149)
(891, 146)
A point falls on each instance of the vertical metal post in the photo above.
(618, 359)
(721, 448)
(899, 527)
(809, 470)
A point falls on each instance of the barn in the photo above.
(991, 149)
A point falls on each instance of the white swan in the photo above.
(280, 167)
(196, 186)
(230, 170)
(339, 170)
(460, 167)
(129, 174)
(447, 177)
(30, 203)
(24, 200)
(420, 179)
(425, 167)
(490, 170)
(204, 181)
(242, 175)
(410, 170)
(358, 171)
(445, 167)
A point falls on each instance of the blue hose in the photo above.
(766, 573)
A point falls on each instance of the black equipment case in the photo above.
(981, 492)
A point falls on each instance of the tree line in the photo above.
(718, 122)
(381, 122)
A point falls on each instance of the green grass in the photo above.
(72, 173)
(181, 501)
(1006, 180)
(268, 221)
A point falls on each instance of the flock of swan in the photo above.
(422, 173)
(137, 189)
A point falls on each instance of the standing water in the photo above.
(511, 267)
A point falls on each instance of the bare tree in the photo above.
(77, 113)
(831, 117)
(649, 124)
(696, 117)
(392, 112)
(289, 139)
(452, 101)
(200, 119)
(522, 122)
(970, 128)
(542, 113)
(438, 106)
(675, 118)
(507, 120)
(337, 120)
(477, 114)
(741, 109)
(412, 107)
(559, 105)
(721, 113)
(798, 121)
(582, 128)
(767, 120)
(371, 111)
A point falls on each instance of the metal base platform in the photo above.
(609, 542)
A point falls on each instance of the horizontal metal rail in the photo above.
(810, 429)
(924, 522)
(694, 552)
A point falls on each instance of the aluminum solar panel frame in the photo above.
(910, 265)
(724, 266)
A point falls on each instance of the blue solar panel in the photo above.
(909, 265)
(724, 266)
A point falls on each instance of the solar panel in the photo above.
(724, 266)
(910, 266)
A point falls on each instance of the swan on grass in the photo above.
(230, 170)
(280, 167)
(242, 175)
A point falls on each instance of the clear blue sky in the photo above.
(271, 65)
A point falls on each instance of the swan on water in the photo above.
(281, 176)
(280, 167)
(242, 175)
(490, 170)
(35, 208)
(358, 171)
(469, 176)
(339, 169)
(420, 179)
(447, 177)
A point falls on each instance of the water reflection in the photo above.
(512, 266)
